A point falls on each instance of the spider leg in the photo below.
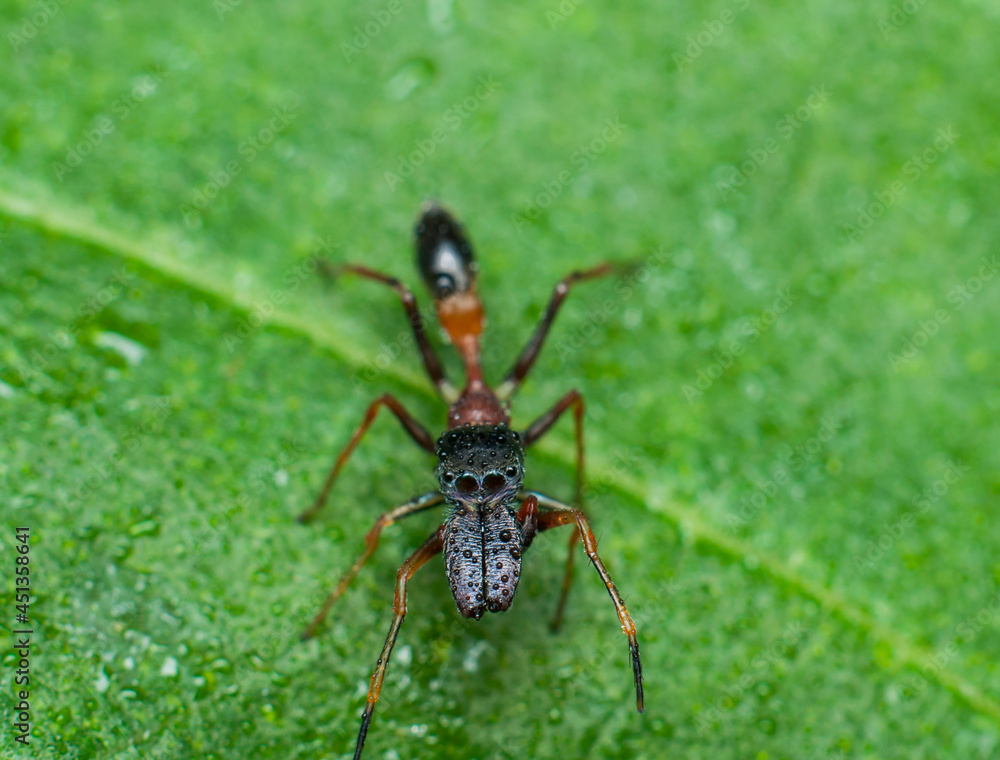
(419, 504)
(431, 547)
(417, 432)
(431, 361)
(530, 352)
(527, 518)
(563, 514)
(535, 431)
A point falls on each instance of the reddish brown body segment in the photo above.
(478, 405)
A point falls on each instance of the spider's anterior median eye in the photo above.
(467, 484)
(494, 481)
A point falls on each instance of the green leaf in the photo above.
(792, 456)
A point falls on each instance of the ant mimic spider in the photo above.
(492, 518)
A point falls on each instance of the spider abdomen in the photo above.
(444, 254)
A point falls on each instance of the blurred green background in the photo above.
(790, 422)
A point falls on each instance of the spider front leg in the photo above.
(431, 547)
(527, 358)
(563, 514)
(417, 432)
(431, 361)
(537, 429)
(419, 504)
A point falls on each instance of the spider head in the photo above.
(480, 465)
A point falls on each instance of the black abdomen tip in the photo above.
(444, 254)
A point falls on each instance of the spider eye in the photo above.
(494, 481)
(467, 485)
(448, 477)
(510, 472)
